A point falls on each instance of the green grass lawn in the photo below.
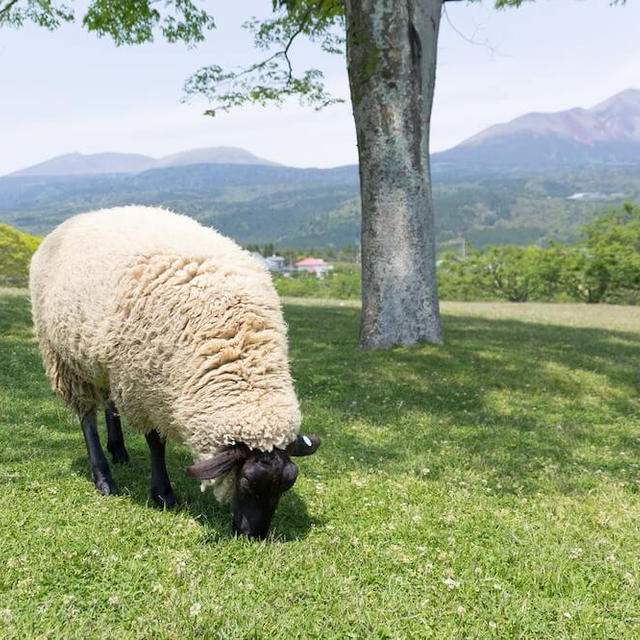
(487, 488)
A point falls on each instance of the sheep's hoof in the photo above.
(120, 455)
(106, 486)
(164, 501)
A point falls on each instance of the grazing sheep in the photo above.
(181, 330)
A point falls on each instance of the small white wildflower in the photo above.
(576, 552)
(428, 568)
(497, 587)
(426, 471)
(493, 625)
(477, 571)
(629, 578)
(250, 586)
(114, 599)
(451, 583)
(567, 615)
(461, 610)
(451, 540)
(195, 609)
(181, 567)
(158, 588)
(611, 558)
(416, 518)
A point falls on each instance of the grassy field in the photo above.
(487, 488)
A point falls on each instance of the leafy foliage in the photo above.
(604, 267)
(273, 79)
(343, 283)
(125, 21)
(16, 249)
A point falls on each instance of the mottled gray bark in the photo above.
(391, 54)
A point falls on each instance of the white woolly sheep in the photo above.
(178, 329)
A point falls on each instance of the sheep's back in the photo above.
(182, 325)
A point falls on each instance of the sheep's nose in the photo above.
(247, 533)
(244, 529)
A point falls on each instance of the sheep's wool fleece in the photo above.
(175, 323)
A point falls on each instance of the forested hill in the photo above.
(315, 207)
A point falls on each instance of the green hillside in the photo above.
(317, 207)
(16, 249)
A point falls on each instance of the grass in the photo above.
(487, 488)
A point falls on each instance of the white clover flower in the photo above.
(195, 609)
(451, 583)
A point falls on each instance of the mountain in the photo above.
(257, 204)
(536, 178)
(75, 164)
(606, 134)
(212, 155)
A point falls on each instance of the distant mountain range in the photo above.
(607, 134)
(538, 177)
(76, 164)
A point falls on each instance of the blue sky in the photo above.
(67, 91)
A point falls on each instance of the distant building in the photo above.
(276, 263)
(314, 265)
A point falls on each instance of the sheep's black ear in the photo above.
(303, 446)
(219, 464)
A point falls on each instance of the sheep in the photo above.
(154, 317)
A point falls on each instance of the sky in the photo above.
(67, 90)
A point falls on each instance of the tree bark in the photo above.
(391, 56)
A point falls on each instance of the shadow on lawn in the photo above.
(508, 397)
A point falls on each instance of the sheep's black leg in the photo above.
(115, 439)
(161, 490)
(99, 465)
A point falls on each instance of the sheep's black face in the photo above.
(261, 478)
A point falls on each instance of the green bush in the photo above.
(603, 267)
(16, 249)
(343, 283)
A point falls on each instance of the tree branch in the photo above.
(7, 7)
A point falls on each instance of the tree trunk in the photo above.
(391, 55)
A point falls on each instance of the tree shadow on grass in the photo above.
(506, 398)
